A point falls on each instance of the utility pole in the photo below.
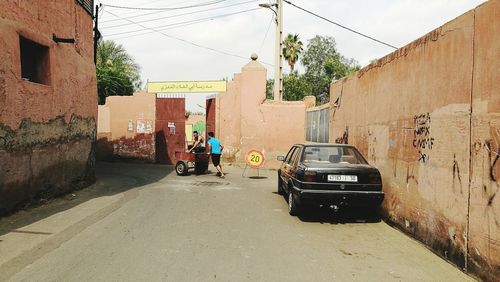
(97, 33)
(278, 55)
(278, 46)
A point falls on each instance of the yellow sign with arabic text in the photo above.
(187, 86)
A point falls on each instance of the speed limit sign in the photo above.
(255, 159)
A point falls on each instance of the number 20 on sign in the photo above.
(255, 159)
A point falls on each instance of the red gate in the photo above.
(210, 116)
(170, 127)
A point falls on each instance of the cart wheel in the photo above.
(181, 168)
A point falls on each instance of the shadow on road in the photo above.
(344, 215)
(112, 178)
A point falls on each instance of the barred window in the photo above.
(88, 5)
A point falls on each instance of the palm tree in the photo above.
(292, 49)
(116, 71)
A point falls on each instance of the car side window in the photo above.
(294, 156)
(289, 155)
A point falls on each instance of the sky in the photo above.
(184, 50)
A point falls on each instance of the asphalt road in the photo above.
(145, 223)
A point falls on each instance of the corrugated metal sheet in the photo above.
(88, 5)
(309, 126)
(317, 128)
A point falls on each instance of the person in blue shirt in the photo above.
(215, 150)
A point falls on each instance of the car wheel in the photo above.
(293, 207)
(181, 168)
(280, 185)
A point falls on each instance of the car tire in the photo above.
(293, 207)
(181, 168)
(280, 186)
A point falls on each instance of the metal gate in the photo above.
(317, 126)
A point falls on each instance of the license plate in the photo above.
(342, 178)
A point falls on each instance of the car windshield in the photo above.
(332, 154)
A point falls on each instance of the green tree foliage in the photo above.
(196, 113)
(117, 73)
(269, 88)
(323, 64)
(199, 126)
(295, 87)
(292, 48)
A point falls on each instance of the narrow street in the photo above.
(145, 223)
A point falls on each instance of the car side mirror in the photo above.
(280, 158)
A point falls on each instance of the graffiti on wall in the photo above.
(422, 140)
(344, 139)
(494, 158)
(494, 170)
(456, 173)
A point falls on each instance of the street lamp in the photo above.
(278, 59)
(270, 6)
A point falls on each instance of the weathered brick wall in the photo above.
(427, 116)
(47, 131)
(126, 126)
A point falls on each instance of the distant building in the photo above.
(48, 99)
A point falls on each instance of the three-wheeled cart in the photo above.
(191, 161)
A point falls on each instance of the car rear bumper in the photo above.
(345, 198)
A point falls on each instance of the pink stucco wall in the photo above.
(126, 126)
(427, 116)
(484, 211)
(47, 131)
(246, 120)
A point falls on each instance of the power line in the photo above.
(337, 24)
(154, 1)
(183, 14)
(186, 41)
(141, 15)
(186, 22)
(149, 32)
(265, 36)
(147, 3)
(165, 27)
(165, 9)
(157, 12)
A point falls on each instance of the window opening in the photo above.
(35, 66)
